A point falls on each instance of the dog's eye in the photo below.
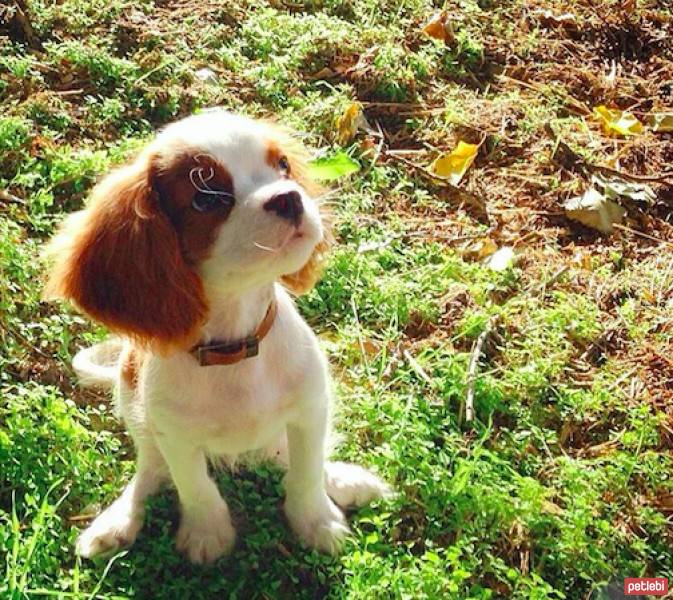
(204, 202)
(284, 165)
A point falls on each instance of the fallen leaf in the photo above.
(347, 123)
(594, 210)
(618, 122)
(661, 122)
(453, 165)
(583, 260)
(5, 196)
(368, 147)
(206, 75)
(333, 167)
(616, 187)
(436, 27)
(480, 249)
(664, 502)
(649, 297)
(501, 259)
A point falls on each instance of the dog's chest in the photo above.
(227, 409)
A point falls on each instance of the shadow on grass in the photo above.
(267, 562)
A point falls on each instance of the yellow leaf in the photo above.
(662, 122)
(436, 27)
(454, 164)
(480, 249)
(583, 261)
(618, 122)
(347, 123)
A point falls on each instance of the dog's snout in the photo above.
(286, 205)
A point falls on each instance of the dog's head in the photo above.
(216, 201)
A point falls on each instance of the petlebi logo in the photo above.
(650, 586)
(631, 588)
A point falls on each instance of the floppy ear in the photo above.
(119, 261)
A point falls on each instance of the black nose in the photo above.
(287, 205)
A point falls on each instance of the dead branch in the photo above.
(5, 196)
(468, 197)
(643, 235)
(472, 374)
(413, 363)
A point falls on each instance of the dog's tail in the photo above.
(97, 366)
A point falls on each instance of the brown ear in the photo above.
(119, 261)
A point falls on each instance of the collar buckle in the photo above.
(232, 352)
(251, 345)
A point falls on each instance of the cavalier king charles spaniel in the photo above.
(188, 254)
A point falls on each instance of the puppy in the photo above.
(188, 255)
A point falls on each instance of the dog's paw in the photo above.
(114, 528)
(352, 485)
(206, 538)
(324, 529)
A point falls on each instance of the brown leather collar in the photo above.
(228, 353)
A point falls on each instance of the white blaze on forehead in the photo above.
(240, 144)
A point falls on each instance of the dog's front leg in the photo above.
(119, 524)
(311, 513)
(205, 532)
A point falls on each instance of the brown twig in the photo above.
(571, 104)
(642, 234)
(5, 196)
(577, 161)
(631, 176)
(552, 280)
(472, 199)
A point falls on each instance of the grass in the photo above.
(562, 483)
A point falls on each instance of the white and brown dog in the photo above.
(186, 254)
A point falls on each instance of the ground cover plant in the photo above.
(472, 284)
